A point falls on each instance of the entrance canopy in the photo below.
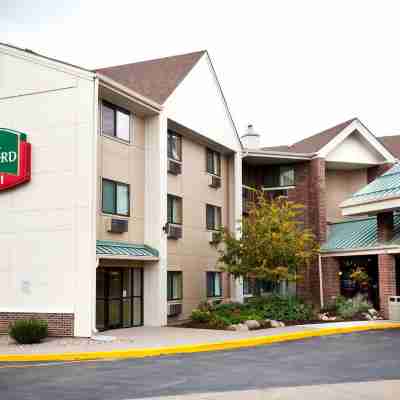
(360, 235)
(125, 251)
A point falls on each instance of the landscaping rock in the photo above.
(231, 328)
(367, 316)
(281, 324)
(275, 324)
(237, 327)
(373, 312)
(242, 327)
(252, 324)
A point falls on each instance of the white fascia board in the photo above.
(371, 207)
(367, 135)
(276, 154)
(126, 92)
(39, 59)
(229, 115)
(361, 251)
(131, 258)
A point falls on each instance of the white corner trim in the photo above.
(367, 135)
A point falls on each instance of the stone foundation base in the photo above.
(59, 324)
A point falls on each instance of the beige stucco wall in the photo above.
(193, 254)
(340, 185)
(124, 162)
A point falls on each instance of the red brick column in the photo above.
(330, 279)
(317, 219)
(387, 281)
(317, 196)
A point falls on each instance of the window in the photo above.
(214, 284)
(213, 217)
(174, 146)
(213, 162)
(174, 210)
(115, 198)
(280, 176)
(115, 122)
(174, 285)
(248, 286)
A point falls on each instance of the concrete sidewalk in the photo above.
(375, 390)
(147, 338)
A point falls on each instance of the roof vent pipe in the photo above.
(251, 139)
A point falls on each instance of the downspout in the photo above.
(321, 289)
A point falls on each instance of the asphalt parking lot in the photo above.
(350, 358)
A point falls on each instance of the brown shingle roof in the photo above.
(155, 79)
(392, 143)
(313, 143)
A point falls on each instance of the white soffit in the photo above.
(198, 104)
(363, 145)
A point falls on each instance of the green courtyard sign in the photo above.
(15, 159)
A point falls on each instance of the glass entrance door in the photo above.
(119, 302)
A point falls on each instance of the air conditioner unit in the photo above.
(212, 237)
(174, 167)
(214, 181)
(174, 231)
(174, 309)
(116, 225)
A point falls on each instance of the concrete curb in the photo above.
(196, 348)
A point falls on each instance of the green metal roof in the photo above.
(358, 234)
(109, 248)
(384, 187)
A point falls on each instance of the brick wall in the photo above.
(331, 280)
(387, 281)
(59, 324)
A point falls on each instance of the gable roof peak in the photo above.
(157, 78)
(314, 143)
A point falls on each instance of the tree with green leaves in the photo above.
(273, 245)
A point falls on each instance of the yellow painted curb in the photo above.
(196, 348)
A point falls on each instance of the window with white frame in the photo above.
(116, 122)
(213, 217)
(115, 197)
(213, 162)
(214, 284)
(174, 285)
(174, 146)
(174, 209)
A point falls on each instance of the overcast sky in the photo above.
(292, 68)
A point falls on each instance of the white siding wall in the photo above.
(47, 238)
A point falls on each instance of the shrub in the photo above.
(200, 315)
(348, 308)
(279, 307)
(28, 331)
(219, 322)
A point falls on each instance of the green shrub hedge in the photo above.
(283, 308)
(28, 331)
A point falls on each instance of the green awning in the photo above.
(358, 234)
(108, 248)
(384, 187)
